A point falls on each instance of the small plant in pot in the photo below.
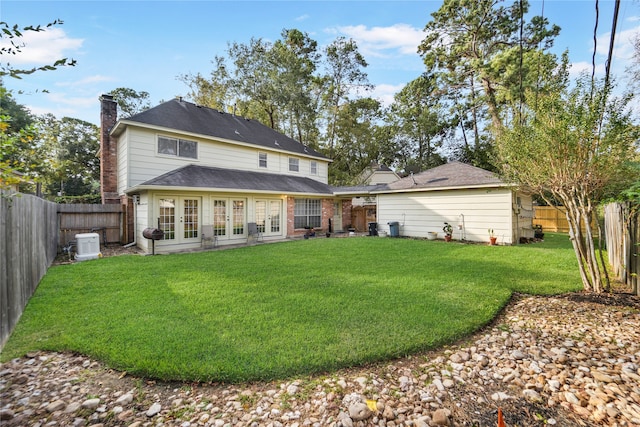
(448, 231)
(492, 237)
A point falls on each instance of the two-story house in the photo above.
(179, 167)
(183, 168)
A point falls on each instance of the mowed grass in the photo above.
(278, 310)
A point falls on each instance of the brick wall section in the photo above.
(290, 210)
(127, 221)
(327, 212)
(108, 151)
(346, 214)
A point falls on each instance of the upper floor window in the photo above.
(313, 167)
(177, 147)
(262, 160)
(294, 164)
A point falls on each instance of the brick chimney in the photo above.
(108, 151)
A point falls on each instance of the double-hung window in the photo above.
(307, 213)
(294, 164)
(262, 160)
(313, 167)
(177, 147)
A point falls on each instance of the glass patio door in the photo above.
(229, 216)
(179, 218)
(269, 217)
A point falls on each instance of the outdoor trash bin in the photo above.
(394, 229)
(373, 229)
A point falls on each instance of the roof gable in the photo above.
(185, 116)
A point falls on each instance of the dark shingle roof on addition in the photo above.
(188, 117)
(232, 179)
(449, 175)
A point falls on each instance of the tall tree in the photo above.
(18, 152)
(296, 58)
(576, 145)
(213, 92)
(16, 133)
(421, 126)
(69, 146)
(479, 49)
(344, 76)
(270, 82)
(357, 139)
(130, 102)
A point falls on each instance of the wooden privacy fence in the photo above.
(31, 232)
(553, 218)
(622, 232)
(28, 246)
(106, 220)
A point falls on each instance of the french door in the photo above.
(229, 218)
(269, 217)
(179, 218)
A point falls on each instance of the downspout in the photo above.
(135, 221)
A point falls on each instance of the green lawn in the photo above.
(277, 310)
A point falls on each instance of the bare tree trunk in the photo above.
(607, 282)
(578, 215)
(590, 251)
(492, 104)
(575, 235)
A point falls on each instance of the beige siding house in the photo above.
(184, 169)
(191, 171)
(471, 199)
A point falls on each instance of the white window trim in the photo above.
(177, 155)
(297, 162)
(266, 160)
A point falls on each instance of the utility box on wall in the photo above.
(88, 246)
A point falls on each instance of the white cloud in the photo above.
(79, 103)
(43, 47)
(61, 104)
(90, 80)
(577, 68)
(623, 52)
(384, 93)
(624, 43)
(402, 39)
(302, 18)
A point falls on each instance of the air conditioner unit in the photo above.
(88, 246)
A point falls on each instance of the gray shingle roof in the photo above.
(449, 175)
(233, 179)
(188, 117)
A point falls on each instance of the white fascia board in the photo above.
(461, 187)
(177, 189)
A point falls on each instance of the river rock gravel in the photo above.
(572, 360)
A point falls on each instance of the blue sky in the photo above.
(145, 45)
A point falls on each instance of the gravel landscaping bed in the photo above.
(572, 360)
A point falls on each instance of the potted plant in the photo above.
(448, 231)
(492, 237)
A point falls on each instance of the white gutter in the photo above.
(423, 189)
(169, 188)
